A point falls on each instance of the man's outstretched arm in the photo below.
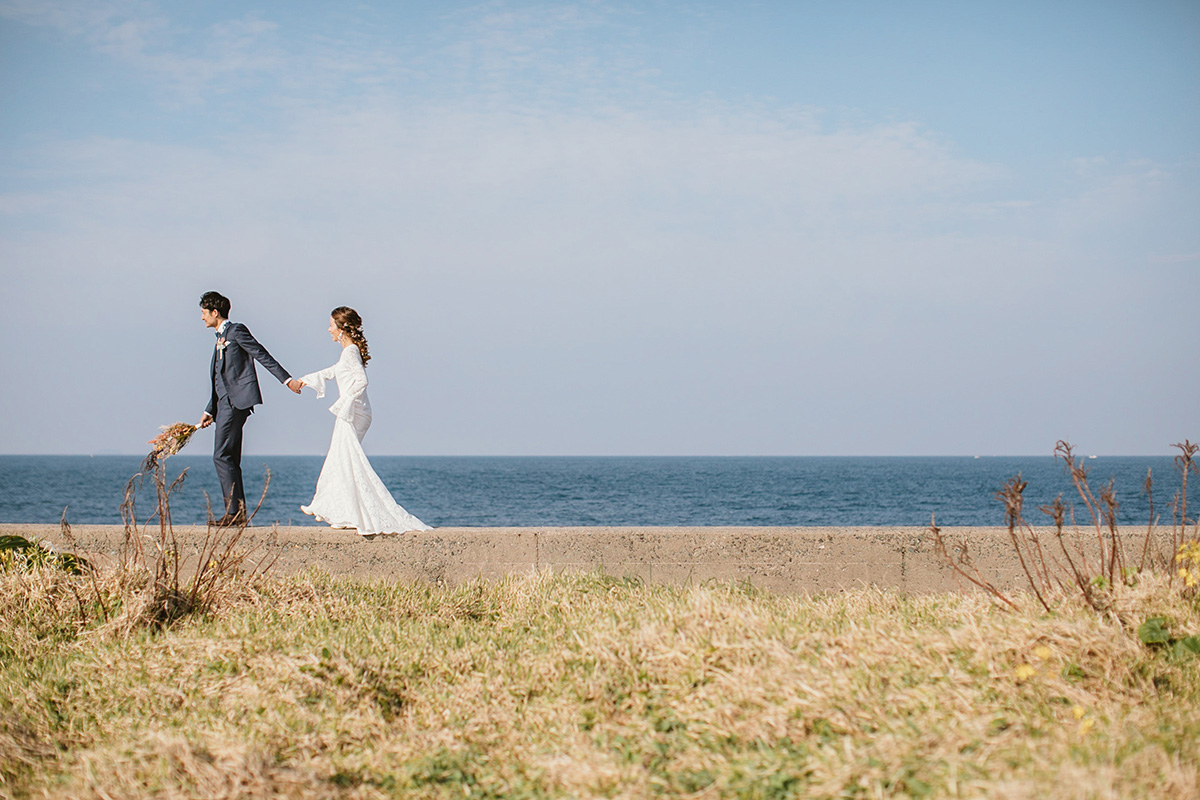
(241, 335)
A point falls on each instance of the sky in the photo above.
(593, 228)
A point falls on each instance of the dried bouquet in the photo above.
(172, 439)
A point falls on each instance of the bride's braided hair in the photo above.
(350, 323)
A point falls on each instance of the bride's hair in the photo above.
(350, 323)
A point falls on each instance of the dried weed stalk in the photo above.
(1185, 463)
(1075, 565)
(223, 555)
(963, 564)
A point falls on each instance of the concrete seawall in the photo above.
(779, 559)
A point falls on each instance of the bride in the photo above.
(349, 493)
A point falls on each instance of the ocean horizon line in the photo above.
(111, 454)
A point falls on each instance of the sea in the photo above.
(454, 491)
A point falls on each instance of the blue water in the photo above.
(561, 491)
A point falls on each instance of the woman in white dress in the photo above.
(349, 493)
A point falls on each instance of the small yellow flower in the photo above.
(1025, 671)
(1078, 711)
(1189, 552)
(1085, 726)
(1043, 652)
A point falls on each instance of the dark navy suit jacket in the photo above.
(232, 370)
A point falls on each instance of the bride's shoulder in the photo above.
(351, 353)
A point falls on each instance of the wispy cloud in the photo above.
(188, 64)
(750, 169)
(528, 54)
(549, 52)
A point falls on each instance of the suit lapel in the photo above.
(221, 354)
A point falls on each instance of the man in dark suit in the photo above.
(234, 395)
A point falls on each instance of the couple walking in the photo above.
(349, 494)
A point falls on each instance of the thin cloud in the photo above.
(761, 170)
(141, 36)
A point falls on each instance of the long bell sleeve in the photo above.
(317, 379)
(351, 376)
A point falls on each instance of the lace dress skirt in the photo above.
(349, 493)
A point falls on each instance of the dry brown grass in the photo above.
(586, 686)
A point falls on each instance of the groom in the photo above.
(234, 394)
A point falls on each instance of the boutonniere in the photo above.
(221, 343)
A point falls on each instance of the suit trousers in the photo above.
(227, 453)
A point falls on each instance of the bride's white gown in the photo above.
(349, 493)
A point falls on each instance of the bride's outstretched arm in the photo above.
(317, 380)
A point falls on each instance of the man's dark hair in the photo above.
(215, 301)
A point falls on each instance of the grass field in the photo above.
(588, 686)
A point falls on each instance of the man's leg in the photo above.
(227, 454)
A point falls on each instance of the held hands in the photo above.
(295, 385)
(205, 420)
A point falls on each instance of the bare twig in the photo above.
(1116, 555)
(962, 564)
(1148, 486)
(1057, 512)
(1079, 473)
(1185, 463)
(1045, 573)
(1012, 497)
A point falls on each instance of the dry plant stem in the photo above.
(1084, 563)
(1185, 462)
(219, 560)
(1046, 575)
(1012, 497)
(963, 566)
(1116, 564)
(168, 564)
(131, 543)
(66, 529)
(1057, 512)
(1044, 571)
(1104, 515)
(1037, 557)
(70, 540)
(1148, 486)
(1078, 473)
(219, 554)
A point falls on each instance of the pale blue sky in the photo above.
(599, 228)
